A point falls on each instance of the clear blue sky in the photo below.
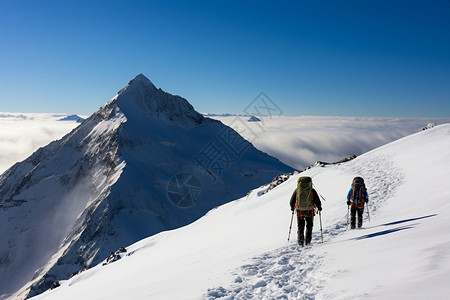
(341, 58)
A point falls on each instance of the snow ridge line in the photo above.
(293, 272)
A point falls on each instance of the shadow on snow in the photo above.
(384, 232)
(388, 231)
(408, 220)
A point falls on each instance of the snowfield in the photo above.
(240, 250)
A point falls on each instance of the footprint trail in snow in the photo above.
(286, 273)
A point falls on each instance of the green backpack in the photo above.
(304, 194)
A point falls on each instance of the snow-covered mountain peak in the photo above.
(115, 179)
(140, 98)
(139, 82)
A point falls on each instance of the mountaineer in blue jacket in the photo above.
(356, 197)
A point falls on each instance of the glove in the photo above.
(348, 202)
(320, 208)
(366, 200)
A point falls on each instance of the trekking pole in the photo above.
(348, 212)
(321, 231)
(368, 213)
(290, 226)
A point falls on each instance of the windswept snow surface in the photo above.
(240, 250)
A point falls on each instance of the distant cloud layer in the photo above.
(301, 141)
(22, 134)
(296, 141)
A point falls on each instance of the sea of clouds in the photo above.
(21, 134)
(301, 141)
(296, 141)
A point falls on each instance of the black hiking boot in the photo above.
(308, 236)
(301, 239)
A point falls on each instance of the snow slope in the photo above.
(240, 250)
